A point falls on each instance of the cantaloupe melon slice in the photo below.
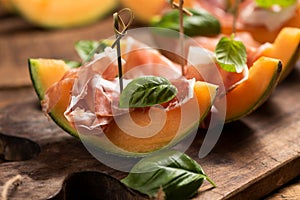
(250, 94)
(63, 13)
(45, 72)
(286, 47)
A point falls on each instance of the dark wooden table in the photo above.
(256, 157)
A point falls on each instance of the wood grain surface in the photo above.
(290, 191)
(253, 157)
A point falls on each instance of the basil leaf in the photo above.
(147, 91)
(201, 23)
(270, 3)
(87, 48)
(231, 54)
(72, 64)
(177, 174)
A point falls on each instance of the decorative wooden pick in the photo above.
(182, 11)
(120, 30)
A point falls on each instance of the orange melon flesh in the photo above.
(204, 95)
(246, 97)
(286, 47)
(63, 13)
(43, 74)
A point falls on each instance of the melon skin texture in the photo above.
(45, 72)
(63, 13)
(250, 94)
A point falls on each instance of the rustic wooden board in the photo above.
(253, 157)
(292, 191)
(20, 41)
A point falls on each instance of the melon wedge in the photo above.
(259, 33)
(286, 47)
(250, 94)
(63, 13)
(45, 72)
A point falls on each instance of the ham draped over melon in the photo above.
(87, 98)
(96, 90)
(85, 101)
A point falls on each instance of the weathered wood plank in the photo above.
(20, 41)
(290, 191)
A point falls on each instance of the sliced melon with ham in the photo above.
(286, 47)
(45, 72)
(63, 13)
(259, 31)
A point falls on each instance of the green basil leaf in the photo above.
(270, 3)
(201, 23)
(147, 91)
(87, 48)
(72, 64)
(231, 54)
(177, 174)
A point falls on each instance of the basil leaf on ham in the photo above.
(270, 3)
(231, 54)
(147, 91)
(173, 172)
(202, 23)
(87, 48)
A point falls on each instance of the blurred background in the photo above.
(50, 28)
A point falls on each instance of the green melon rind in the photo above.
(290, 65)
(33, 72)
(104, 144)
(273, 83)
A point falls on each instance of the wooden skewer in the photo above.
(182, 11)
(120, 29)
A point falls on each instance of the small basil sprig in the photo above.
(201, 23)
(270, 3)
(231, 54)
(87, 48)
(178, 175)
(147, 91)
(72, 64)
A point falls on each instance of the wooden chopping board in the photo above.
(253, 157)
